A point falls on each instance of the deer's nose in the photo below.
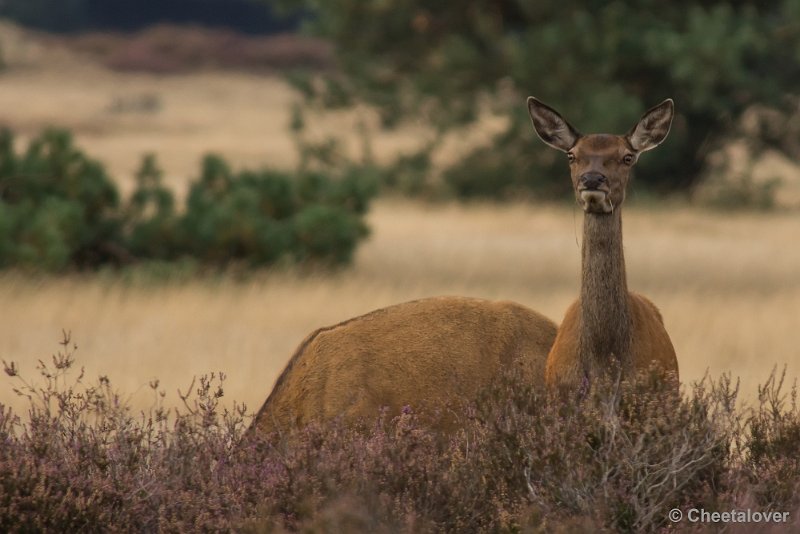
(592, 181)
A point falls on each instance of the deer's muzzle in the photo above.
(593, 193)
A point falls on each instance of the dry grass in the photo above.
(727, 287)
(727, 284)
(118, 117)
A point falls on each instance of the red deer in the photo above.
(608, 327)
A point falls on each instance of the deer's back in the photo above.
(424, 354)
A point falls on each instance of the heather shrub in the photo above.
(772, 460)
(620, 458)
(520, 460)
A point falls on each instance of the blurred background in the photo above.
(194, 185)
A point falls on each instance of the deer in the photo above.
(430, 355)
(608, 329)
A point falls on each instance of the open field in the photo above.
(117, 117)
(727, 285)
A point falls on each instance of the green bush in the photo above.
(328, 233)
(410, 174)
(150, 215)
(262, 216)
(57, 206)
(231, 217)
(60, 210)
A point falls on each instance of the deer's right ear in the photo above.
(551, 127)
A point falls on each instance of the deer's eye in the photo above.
(570, 157)
(628, 159)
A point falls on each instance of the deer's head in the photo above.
(600, 164)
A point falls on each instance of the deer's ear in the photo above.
(653, 127)
(551, 127)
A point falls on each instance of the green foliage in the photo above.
(150, 214)
(262, 216)
(231, 217)
(410, 174)
(57, 206)
(601, 63)
(326, 232)
(60, 210)
(504, 170)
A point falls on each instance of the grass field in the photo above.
(727, 284)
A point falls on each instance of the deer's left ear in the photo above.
(653, 127)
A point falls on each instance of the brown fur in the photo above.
(425, 354)
(608, 329)
(608, 325)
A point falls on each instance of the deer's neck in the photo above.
(605, 316)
